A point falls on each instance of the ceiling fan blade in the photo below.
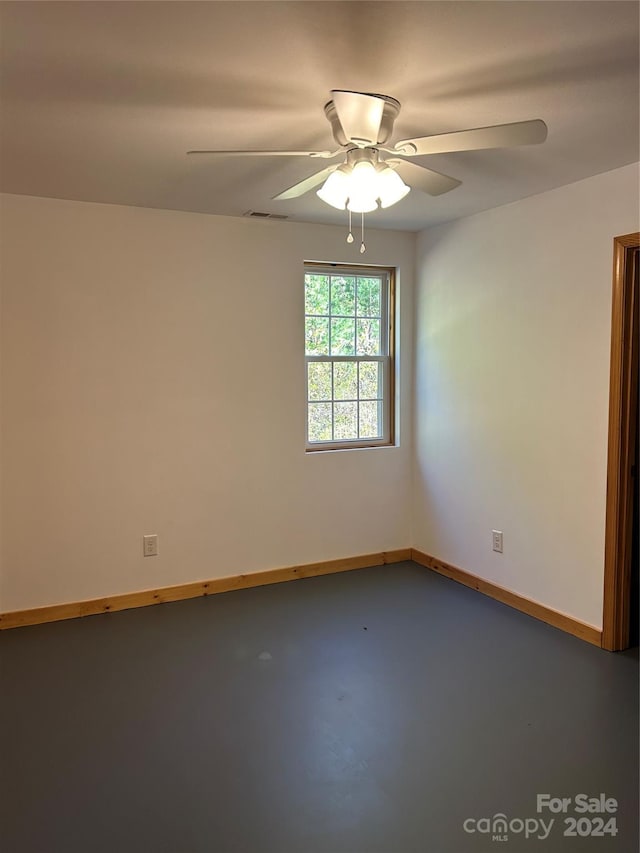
(304, 186)
(360, 115)
(430, 182)
(327, 155)
(497, 136)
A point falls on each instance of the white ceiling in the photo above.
(100, 101)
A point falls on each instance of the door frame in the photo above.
(623, 390)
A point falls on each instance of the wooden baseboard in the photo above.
(56, 612)
(519, 602)
(144, 598)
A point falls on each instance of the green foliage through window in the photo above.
(346, 344)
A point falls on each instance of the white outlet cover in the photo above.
(150, 545)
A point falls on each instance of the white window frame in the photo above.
(386, 359)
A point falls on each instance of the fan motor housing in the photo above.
(389, 113)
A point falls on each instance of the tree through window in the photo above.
(348, 352)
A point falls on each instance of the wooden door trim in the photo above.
(622, 391)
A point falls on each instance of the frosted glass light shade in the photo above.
(363, 188)
(391, 187)
(335, 190)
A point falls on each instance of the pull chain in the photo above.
(349, 235)
(362, 245)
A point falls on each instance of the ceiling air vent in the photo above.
(257, 214)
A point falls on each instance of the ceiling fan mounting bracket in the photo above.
(390, 112)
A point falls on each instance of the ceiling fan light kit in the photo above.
(363, 182)
(362, 123)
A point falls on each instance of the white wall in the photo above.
(513, 320)
(130, 340)
(153, 382)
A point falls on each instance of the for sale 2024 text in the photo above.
(593, 813)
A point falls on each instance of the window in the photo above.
(349, 356)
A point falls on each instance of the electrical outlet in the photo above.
(497, 540)
(150, 545)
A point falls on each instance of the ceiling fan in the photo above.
(362, 124)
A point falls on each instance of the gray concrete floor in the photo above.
(366, 712)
